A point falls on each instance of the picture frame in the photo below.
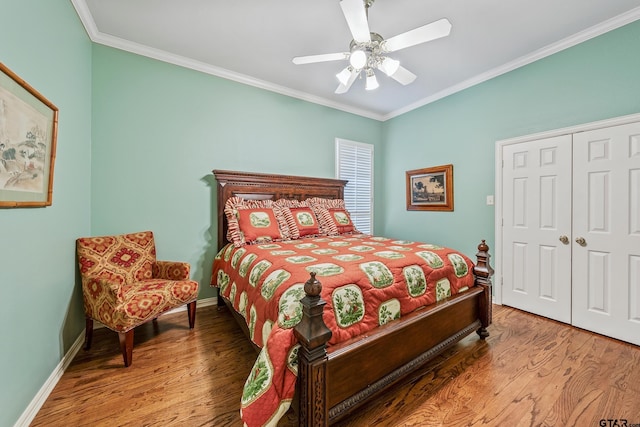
(28, 137)
(430, 189)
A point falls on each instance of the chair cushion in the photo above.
(139, 302)
(125, 258)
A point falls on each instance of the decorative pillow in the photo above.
(281, 209)
(320, 207)
(241, 234)
(325, 203)
(258, 225)
(296, 217)
(302, 222)
(337, 220)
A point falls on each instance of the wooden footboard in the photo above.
(334, 381)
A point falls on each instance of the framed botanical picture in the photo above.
(430, 189)
(28, 133)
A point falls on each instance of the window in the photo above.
(354, 162)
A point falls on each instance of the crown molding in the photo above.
(118, 43)
(589, 33)
(105, 39)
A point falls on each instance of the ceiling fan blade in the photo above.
(299, 60)
(403, 76)
(356, 16)
(432, 31)
(344, 88)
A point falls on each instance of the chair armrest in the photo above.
(95, 286)
(171, 270)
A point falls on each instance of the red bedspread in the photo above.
(366, 281)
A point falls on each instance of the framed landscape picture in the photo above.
(430, 189)
(28, 132)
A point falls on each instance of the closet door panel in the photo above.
(606, 219)
(536, 214)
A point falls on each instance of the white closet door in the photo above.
(536, 231)
(606, 208)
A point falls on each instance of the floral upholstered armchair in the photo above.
(124, 286)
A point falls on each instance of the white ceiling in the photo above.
(253, 41)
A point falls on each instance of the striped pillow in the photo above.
(325, 210)
(320, 206)
(341, 220)
(299, 218)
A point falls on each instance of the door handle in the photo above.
(581, 241)
(564, 239)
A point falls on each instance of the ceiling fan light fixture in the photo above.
(358, 59)
(368, 50)
(343, 76)
(389, 66)
(372, 81)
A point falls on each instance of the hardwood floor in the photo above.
(531, 371)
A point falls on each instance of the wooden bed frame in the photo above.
(335, 380)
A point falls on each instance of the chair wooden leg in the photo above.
(221, 303)
(88, 333)
(126, 345)
(191, 311)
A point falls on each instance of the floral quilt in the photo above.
(366, 281)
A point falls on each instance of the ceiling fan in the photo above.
(367, 51)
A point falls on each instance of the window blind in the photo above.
(354, 162)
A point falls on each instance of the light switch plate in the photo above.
(490, 200)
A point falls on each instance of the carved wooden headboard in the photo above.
(259, 186)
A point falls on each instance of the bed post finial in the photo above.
(312, 287)
(312, 334)
(483, 273)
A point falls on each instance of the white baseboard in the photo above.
(205, 302)
(36, 403)
(32, 410)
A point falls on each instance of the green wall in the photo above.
(595, 80)
(159, 130)
(41, 313)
